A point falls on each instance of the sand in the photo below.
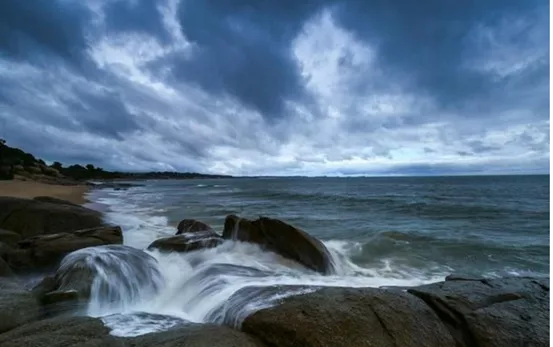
(31, 189)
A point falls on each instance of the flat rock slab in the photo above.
(491, 312)
(45, 251)
(29, 217)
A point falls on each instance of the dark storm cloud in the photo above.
(141, 16)
(243, 49)
(378, 87)
(31, 28)
(102, 113)
(428, 40)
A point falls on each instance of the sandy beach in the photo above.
(31, 189)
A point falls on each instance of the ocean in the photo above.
(398, 231)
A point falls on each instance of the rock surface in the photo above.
(281, 238)
(18, 306)
(191, 226)
(491, 312)
(10, 238)
(61, 331)
(187, 242)
(30, 218)
(45, 251)
(196, 335)
(112, 272)
(336, 317)
(5, 269)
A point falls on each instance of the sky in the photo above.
(279, 87)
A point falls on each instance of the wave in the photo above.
(217, 285)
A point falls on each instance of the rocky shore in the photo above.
(49, 240)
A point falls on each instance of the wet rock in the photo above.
(30, 218)
(192, 226)
(9, 237)
(61, 331)
(55, 201)
(491, 312)
(46, 251)
(196, 335)
(18, 306)
(281, 238)
(187, 242)
(336, 317)
(116, 271)
(5, 269)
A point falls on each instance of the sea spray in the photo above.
(115, 277)
(209, 285)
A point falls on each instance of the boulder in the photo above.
(8, 237)
(61, 332)
(187, 242)
(491, 312)
(196, 335)
(18, 306)
(29, 217)
(336, 317)
(5, 269)
(55, 200)
(91, 332)
(281, 238)
(46, 251)
(111, 272)
(192, 226)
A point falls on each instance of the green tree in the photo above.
(57, 165)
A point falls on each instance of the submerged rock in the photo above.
(192, 226)
(281, 238)
(30, 218)
(336, 317)
(187, 242)
(491, 312)
(18, 306)
(46, 251)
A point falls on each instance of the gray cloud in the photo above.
(332, 87)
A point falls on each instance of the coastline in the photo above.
(31, 189)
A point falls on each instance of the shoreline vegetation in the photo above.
(20, 165)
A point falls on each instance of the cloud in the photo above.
(260, 88)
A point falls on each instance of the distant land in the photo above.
(18, 164)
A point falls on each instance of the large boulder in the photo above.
(46, 251)
(18, 306)
(61, 332)
(281, 238)
(335, 317)
(5, 269)
(29, 217)
(187, 242)
(91, 332)
(491, 312)
(196, 335)
(110, 275)
(9, 237)
(192, 226)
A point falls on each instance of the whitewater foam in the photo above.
(198, 286)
